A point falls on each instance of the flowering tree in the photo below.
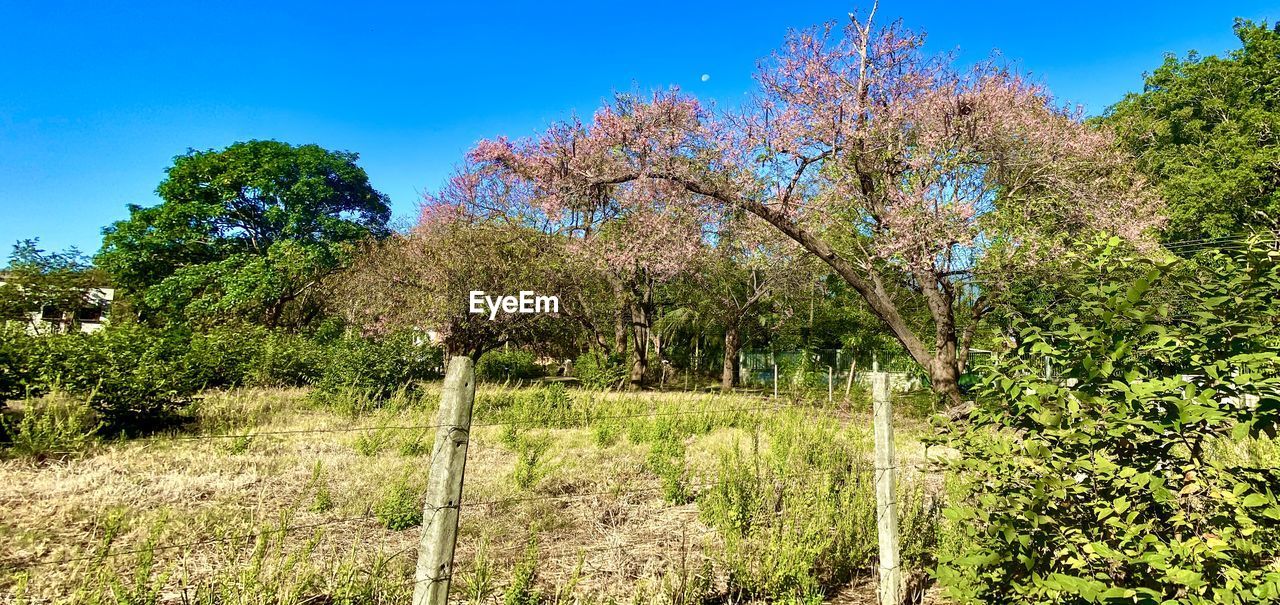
(901, 172)
(635, 238)
(423, 279)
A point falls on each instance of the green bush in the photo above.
(286, 360)
(17, 349)
(246, 355)
(530, 465)
(223, 356)
(136, 378)
(523, 587)
(507, 364)
(1102, 485)
(598, 371)
(379, 367)
(667, 460)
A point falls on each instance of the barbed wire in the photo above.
(549, 423)
(284, 530)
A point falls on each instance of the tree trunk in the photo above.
(620, 327)
(641, 316)
(729, 372)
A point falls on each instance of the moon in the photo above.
(706, 77)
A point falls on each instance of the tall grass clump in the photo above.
(49, 427)
(796, 509)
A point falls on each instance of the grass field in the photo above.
(271, 496)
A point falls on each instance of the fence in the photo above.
(687, 529)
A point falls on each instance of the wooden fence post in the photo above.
(890, 588)
(444, 484)
(848, 383)
(775, 380)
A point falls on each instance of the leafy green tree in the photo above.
(244, 233)
(52, 284)
(1206, 130)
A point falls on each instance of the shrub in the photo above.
(595, 370)
(1100, 485)
(522, 590)
(667, 460)
(135, 377)
(530, 467)
(322, 500)
(507, 364)
(378, 368)
(224, 356)
(284, 360)
(16, 351)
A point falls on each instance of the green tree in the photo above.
(1206, 130)
(52, 284)
(244, 233)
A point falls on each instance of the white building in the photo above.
(90, 318)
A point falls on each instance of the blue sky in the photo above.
(95, 100)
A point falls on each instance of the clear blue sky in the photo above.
(96, 99)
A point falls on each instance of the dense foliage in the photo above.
(45, 283)
(138, 378)
(245, 233)
(507, 364)
(1109, 483)
(1207, 132)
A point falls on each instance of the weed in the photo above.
(604, 434)
(529, 458)
(521, 591)
(322, 500)
(667, 461)
(50, 429)
(239, 444)
(477, 584)
(371, 442)
(400, 506)
(415, 445)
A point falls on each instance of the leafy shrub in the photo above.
(248, 355)
(1101, 485)
(136, 378)
(17, 349)
(224, 356)
(322, 500)
(378, 368)
(667, 460)
(400, 506)
(597, 371)
(507, 364)
(285, 359)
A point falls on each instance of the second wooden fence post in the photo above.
(890, 589)
(444, 484)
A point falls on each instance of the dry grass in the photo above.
(603, 528)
